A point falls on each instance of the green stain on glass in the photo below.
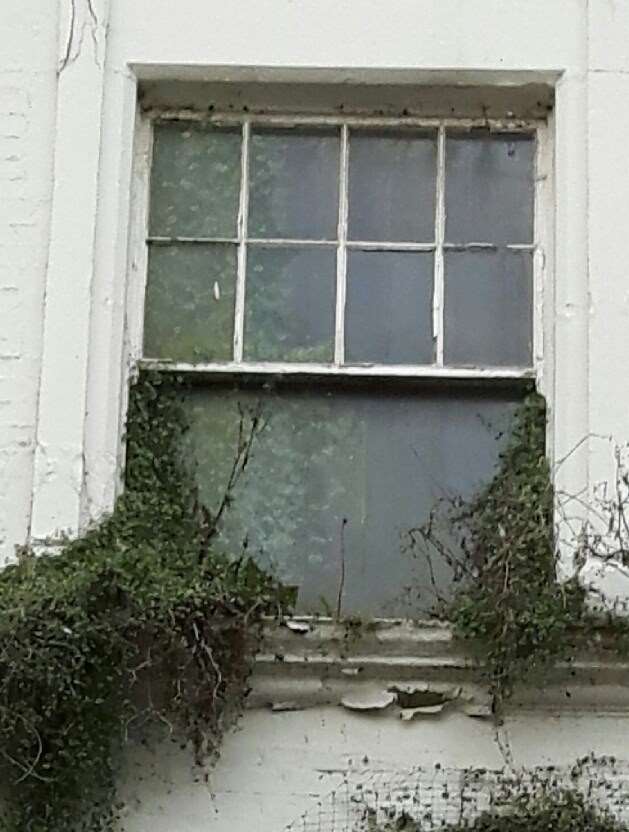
(195, 181)
(290, 304)
(189, 313)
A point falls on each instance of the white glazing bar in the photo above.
(489, 246)
(341, 254)
(193, 240)
(275, 242)
(243, 211)
(281, 242)
(138, 260)
(440, 230)
(400, 371)
(373, 245)
(540, 302)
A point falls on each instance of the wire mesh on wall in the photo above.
(434, 798)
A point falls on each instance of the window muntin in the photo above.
(429, 293)
(275, 194)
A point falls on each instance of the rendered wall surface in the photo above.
(299, 771)
(27, 114)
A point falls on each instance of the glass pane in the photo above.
(488, 308)
(388, 312)
(294, 184)
(327, 455)
(489, 189)
(189, 312)
(290, 304)
(392, 186)
(195, 181)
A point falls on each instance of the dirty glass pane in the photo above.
(338, 477)
(189, 312)
(488, 308)
(388, 311)
(290, 304)
(195, 181)
(392, 186)
(489, 188)
(294, 178)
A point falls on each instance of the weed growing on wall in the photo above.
(513, 603)
(139, 623)
(502, 548)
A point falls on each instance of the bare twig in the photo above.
(341, 589)
(211, 522)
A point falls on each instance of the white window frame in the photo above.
(541, 248)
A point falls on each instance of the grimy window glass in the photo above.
(355, 275)
(320, 221)
(336, 478)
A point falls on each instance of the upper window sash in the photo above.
(444, 248)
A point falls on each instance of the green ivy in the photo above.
(138, 623)
(513, 604)
(501, 546)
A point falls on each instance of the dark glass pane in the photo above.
(294, 178)
(392, 186)
(290, 304)
(489, 188)
(379, 462)
(488, 308)
(195, 181)
(388, 313)
(189, 312)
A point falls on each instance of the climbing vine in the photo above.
(502, 548)
(139, 623)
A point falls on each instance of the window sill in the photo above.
(410, 670)
(264, 369)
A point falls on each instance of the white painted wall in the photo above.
(28, 32)
(65, 275)
(83, 322)
(277, 768)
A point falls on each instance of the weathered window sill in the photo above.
(409, 669)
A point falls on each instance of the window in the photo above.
(367, 286)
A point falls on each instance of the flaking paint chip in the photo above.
(408, 714)
(375, 701)
(277, 707)
(297, 626)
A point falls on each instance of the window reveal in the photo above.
(343, 250)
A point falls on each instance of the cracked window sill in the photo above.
(410, 670)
